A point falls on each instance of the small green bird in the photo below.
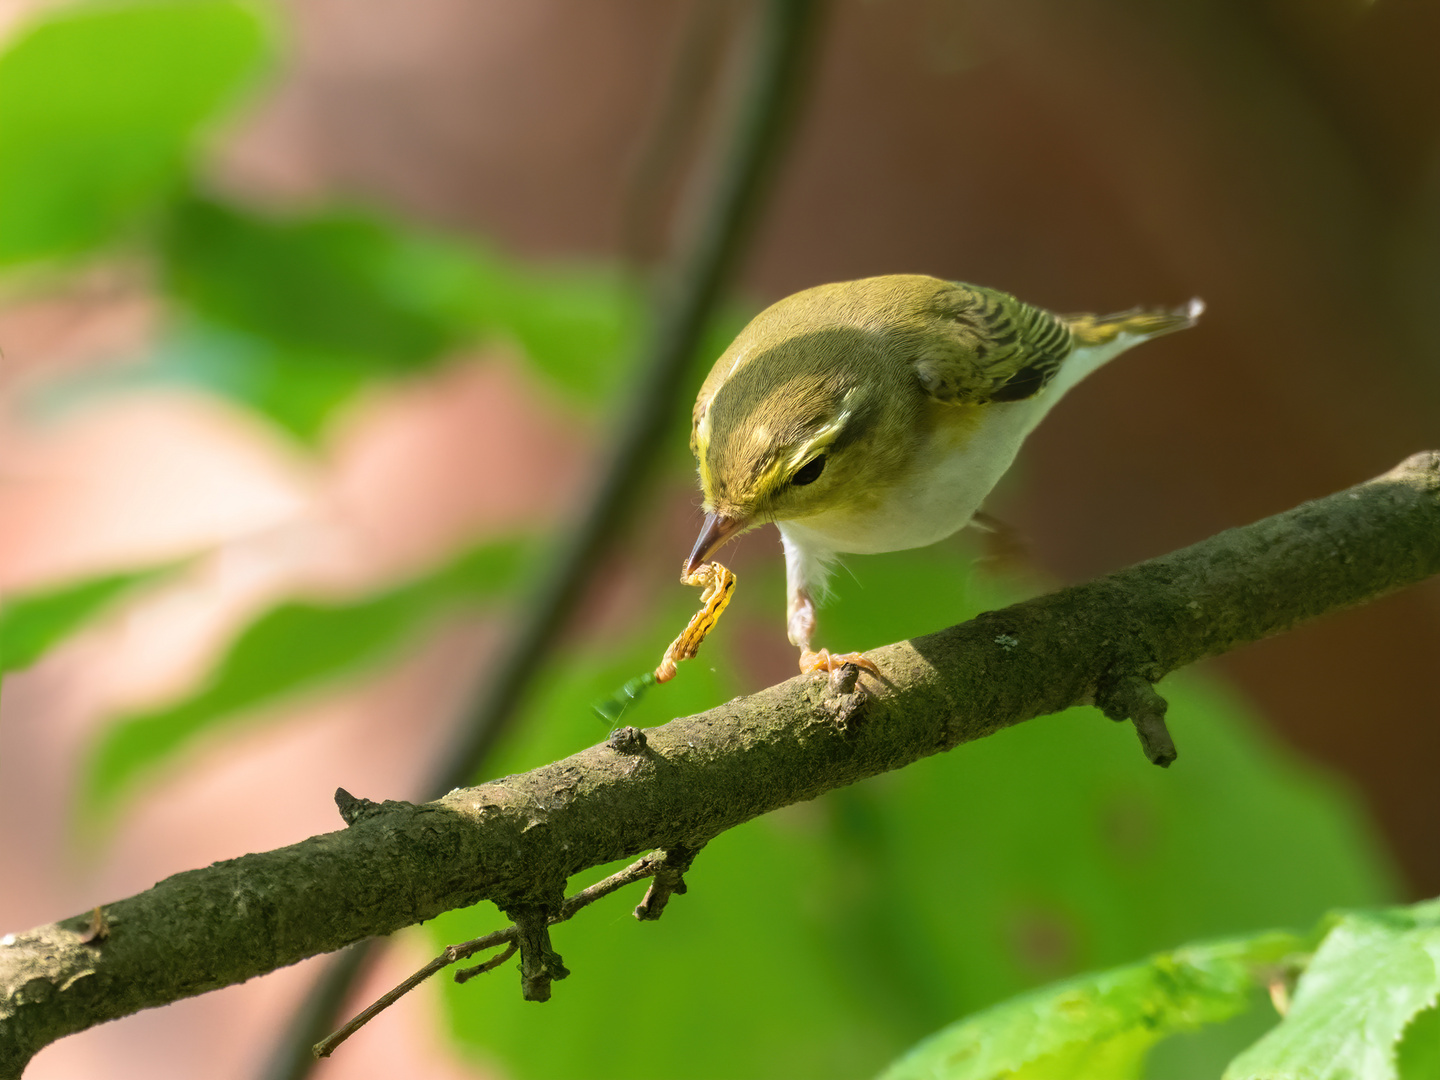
(876, 415)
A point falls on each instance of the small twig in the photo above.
(466, 974)
(540, 964)
(627, 740)
(1135, 699)
(636, 871)
(453, 954)
(669, 880)
(670, 147)
(351, 809)
(99, 928)
(326, 1046)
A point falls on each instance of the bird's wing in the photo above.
(986, 345)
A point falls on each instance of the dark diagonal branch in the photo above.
(747, 148)
(517, 841)
(688, 297)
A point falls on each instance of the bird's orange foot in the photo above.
(825, 660)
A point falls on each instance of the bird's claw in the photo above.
(825, 660)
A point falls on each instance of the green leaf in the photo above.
(297, 395)
(1098, 1025)
(291, 648)
(578, 327)
(99, 105)
(295, 392)
(1374, 973)
(32, 624)
(328, 288)
(1418, 1055)
(302, 309)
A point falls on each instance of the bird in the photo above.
(876, 415)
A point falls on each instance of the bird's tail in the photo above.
(1141, 322)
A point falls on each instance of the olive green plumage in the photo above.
(876, 414)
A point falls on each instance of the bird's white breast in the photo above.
(949, 480)
(939, 495)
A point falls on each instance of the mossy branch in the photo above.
(516, 841)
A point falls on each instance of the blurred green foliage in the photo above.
(306, 309)
(289, 316)
(31, 623)
(338, 287)
(287, 650)
(820, 941)
(99, 106)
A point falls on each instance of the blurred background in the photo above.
(318, 318)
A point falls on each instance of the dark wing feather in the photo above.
(984, 345)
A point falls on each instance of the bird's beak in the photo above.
(717, 529)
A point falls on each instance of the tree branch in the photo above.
(453, 954)
(517, 840)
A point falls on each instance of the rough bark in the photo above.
(517, 840)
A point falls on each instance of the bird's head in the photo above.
(809, 410)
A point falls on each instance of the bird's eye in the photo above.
(809, 472)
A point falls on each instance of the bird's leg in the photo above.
(1004, 545)
(800, 617)
(800, 621)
